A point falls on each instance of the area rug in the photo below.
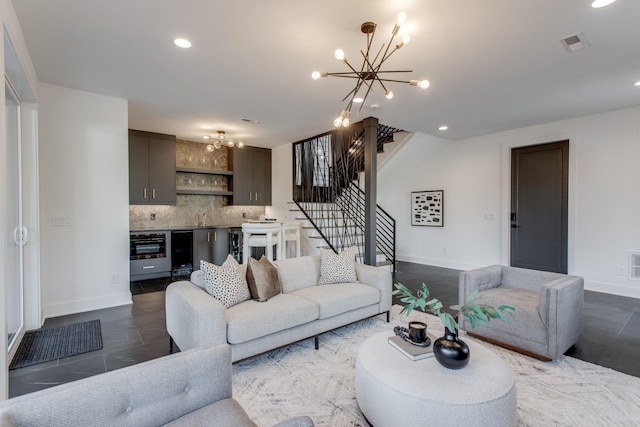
(43, 345)
(299, 380)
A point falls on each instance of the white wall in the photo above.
(84, 174)
(604, 205)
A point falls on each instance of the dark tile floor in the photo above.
(136, 333)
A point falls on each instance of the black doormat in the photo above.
(48, 344)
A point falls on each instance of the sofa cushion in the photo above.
(298, 273)
(262, 277)
(252, 319)
(226, 282)
(337, 268)
(340, 298)
(226, 413)
(526, 303)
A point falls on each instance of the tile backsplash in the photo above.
(189, 209)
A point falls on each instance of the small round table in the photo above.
(393, 390)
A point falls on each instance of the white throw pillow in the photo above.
(337, 268)
(225, 282)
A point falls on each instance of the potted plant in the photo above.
(450, 351)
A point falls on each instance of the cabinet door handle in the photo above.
(153, 193)
(250, 196)
(215, 236)
(144, 193)
(147, 267)
(208, 236)
(256, 196)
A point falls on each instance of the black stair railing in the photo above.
(327, 190)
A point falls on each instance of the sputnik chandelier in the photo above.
(222, 141)
(370, 70)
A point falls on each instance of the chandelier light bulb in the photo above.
(230, 143)
(339, 53)
(207, 137)
(239, 144)
(359, 100)
(402, 18)
(210, 148)
(601, 3)
(345, 123)
(388, 94)
(337, 122)
(424, 84)
(315, 75)
(406, 39)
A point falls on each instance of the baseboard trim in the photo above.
(612, 288)
(89, 304)
(438, 262)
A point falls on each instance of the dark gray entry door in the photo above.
(539, 206)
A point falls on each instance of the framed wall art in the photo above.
(427, 208)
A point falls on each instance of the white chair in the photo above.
(260, 235)
(290, 233)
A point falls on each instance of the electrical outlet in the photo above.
(244, 214)
(620, 271)
(115, 278)
(153, 217)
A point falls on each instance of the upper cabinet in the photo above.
(251, 182)
(152, 168)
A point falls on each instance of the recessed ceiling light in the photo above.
(636, 84)
(183, 43)
(601, 3)
(443, 127)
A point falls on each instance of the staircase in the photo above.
(328, 194)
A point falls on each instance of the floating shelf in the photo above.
(205, 192)
(204, 171)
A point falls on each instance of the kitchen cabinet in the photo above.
(211, 245)
(251, 180)
(152, 168)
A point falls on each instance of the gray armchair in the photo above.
(549, 308)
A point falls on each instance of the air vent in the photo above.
(634, 265)
(574, 42)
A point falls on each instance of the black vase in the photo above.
(450, 351)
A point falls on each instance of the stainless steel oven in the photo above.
(148, 245)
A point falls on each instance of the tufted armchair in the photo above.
(549, 308)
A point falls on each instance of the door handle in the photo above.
(20, 236)
(515, 226)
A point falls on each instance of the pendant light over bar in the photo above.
(370, 70)
(222, 141)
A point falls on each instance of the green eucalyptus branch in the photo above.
(477, 314)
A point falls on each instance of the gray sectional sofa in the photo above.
(191, 388)
(304, 309)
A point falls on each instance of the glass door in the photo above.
(14, 307)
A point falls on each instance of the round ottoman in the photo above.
(393, 390)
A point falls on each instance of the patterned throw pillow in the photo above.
(226, 282)
(340, 268)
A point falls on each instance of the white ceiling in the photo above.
(493, 64)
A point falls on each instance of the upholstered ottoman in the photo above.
(392, 390)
